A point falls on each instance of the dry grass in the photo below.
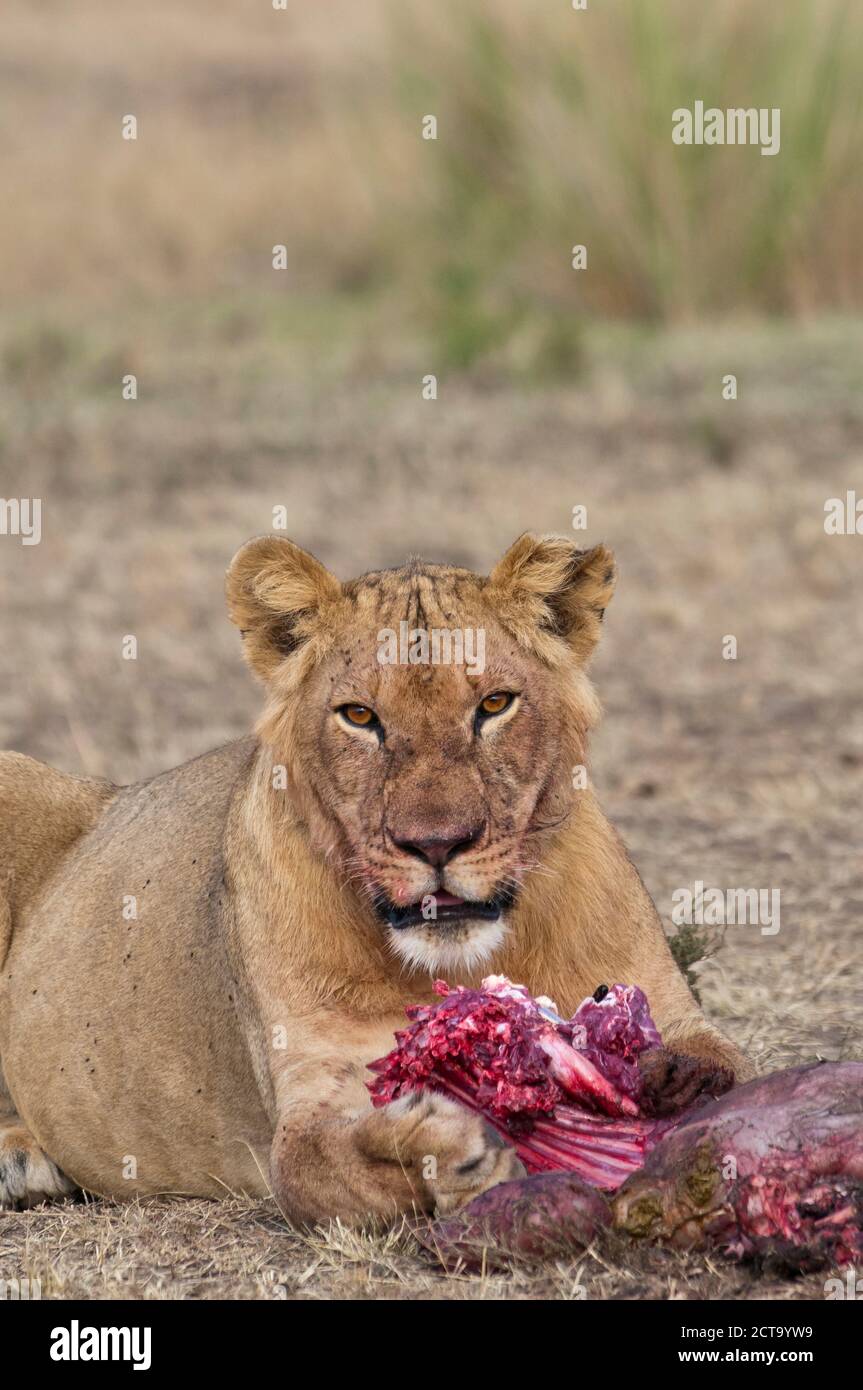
(743, 773)
(235, 1250)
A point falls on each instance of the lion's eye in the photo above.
(360, 715)
(496, 703)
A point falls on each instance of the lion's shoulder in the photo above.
(42, 813)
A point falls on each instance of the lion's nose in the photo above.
(439, 851)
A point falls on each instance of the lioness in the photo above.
(196, 969)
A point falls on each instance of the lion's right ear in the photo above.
(275, 593)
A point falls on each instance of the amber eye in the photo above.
(496, 703)
(360, 715)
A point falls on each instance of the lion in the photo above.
(196, 969)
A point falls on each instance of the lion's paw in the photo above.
(27, 1174)
(673, 1080)
(455, 1153)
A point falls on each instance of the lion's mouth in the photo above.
(442, 907)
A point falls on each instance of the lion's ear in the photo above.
(275, 592)
(545, 584)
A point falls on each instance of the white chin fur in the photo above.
(435, 950)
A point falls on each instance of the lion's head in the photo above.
(429, 720)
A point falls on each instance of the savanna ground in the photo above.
(304, 393)
(743, 773)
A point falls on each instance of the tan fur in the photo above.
(218, 1039)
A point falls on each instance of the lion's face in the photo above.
(430, 720)
(438, 778)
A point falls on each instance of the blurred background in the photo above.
(301, 388)
(554, 128)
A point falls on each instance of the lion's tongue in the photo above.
(446, 899)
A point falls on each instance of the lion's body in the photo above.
(193, 981)
(117, 1033)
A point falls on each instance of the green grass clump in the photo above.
(554, 129)
(692, 944)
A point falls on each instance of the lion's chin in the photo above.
(441, 947)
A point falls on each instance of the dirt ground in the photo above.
(738, 773)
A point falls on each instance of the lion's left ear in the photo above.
(275, 592)
(545, 586)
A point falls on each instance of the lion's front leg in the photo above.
(421, 1153)
(696, 1058)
